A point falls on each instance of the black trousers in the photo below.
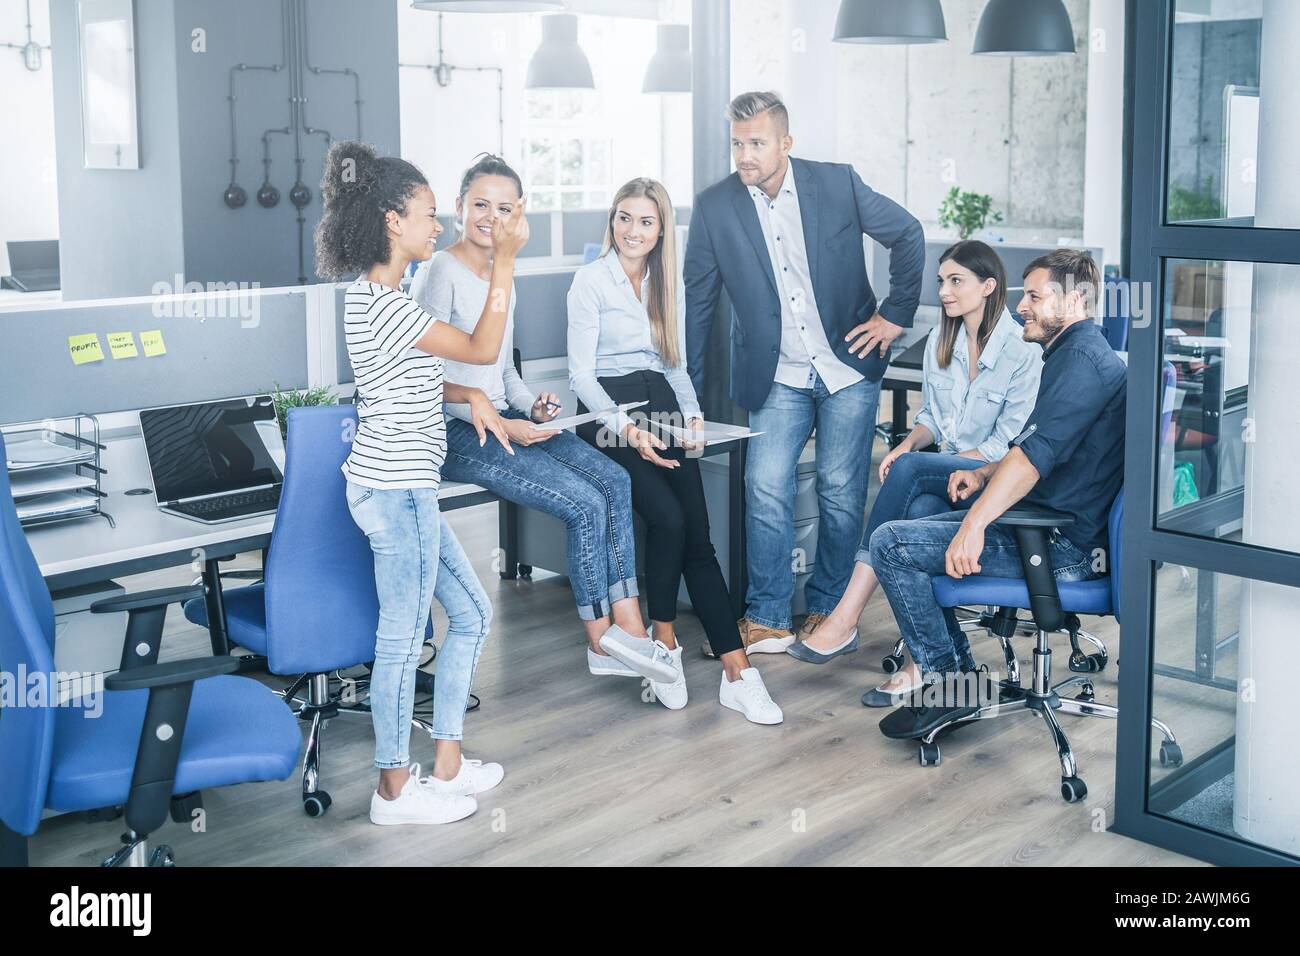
(671, 503)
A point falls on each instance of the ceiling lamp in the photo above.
(670, 68)
(559, 63)
(1024, 28)
(890, 21)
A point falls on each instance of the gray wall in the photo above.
(123, 231)
(119, 230)
(255, 244)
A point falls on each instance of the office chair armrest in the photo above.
(1034, 518)
(146, 612)
(170, 687)
(171, 674)
(1034, 542)
(144, 600)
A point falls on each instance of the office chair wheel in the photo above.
(525, 570)
(1087, 663)
(1171, 755)
(892, 664)
(163, 856)
(1087, 692)
(315, 804)
(1073, 789)
(929, 755)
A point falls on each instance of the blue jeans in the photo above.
(846, 427)
(417, 559)
(565, 477)
(916, 487)
(907, 554)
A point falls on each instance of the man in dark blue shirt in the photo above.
(1069, 458)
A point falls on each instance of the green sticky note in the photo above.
(153, 343)
(85, 348)
(122, 345)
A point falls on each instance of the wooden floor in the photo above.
(596, 776)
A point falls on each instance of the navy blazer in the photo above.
(725, 249)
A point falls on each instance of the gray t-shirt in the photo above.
(452, 293)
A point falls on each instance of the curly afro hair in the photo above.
(358, 189)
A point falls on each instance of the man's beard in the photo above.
(1049, 329)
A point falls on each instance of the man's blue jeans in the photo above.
(846, 427)
(907, 554)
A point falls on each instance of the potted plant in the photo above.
(967, 212)
(286, 399)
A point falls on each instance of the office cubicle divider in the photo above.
(124, 354)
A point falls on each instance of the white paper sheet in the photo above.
(712, 433)
(573, 420)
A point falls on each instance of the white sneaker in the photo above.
(749, 696)
(602, 665)
(637, 653)
(474, 777)
(672, 694)
(419, 804)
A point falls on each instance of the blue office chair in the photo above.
(166, 731)
(1116, 311)
(315, 612)
(1055, 607)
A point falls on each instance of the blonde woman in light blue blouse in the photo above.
(979, 381)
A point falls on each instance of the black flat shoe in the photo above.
(911, 723)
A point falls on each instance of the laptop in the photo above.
(33, 265)
(215, 461)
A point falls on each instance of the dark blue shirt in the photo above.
(1075, 434)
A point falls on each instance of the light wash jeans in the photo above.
(565, 477)
(846, 428)
(417, 559)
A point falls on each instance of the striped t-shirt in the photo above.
(401, 438)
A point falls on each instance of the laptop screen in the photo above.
(213, 447)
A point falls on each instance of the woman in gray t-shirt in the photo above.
(545, 469)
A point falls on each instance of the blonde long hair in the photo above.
(661, 304)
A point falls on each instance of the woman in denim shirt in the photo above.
(978, 386)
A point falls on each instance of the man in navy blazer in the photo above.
(809, 345)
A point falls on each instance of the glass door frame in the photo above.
(1151, 243)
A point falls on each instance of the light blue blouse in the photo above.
(609, 335)
(984, 414)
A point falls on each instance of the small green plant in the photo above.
(1191, 205)
(967, 212)
(286, 399)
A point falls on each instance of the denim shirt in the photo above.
(609, 335)
(984, 414)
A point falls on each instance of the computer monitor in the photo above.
(213, 448)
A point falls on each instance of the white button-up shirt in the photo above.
(609, 335)
(804, 347)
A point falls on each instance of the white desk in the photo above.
(87, 550)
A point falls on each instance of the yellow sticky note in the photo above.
(85, 348)
(122, 345)
(153, 343)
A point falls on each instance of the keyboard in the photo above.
(237, 505)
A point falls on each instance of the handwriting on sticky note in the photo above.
(153, 344)
(122, 345)
(85, 348)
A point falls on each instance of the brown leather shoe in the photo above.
(809, 625)
(761, 639)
